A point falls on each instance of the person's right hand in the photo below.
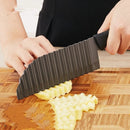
(23, 52)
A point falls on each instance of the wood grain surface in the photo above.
(110, 85)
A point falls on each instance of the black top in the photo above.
(65, 22)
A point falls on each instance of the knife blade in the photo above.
(61, 65)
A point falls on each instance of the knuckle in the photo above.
(23, 44)
(41, 37)
(107, 17)
(27, 40)
(119, 27)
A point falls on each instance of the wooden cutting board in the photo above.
(110, 85)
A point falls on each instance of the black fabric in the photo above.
(65, 22)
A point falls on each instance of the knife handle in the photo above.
(101, 39)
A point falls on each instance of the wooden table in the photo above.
(110, 85)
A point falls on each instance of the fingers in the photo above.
(125, 43)
(113, 41)
(25, 56)
(33, 47)
(45, 44)
(38, 46)
(36, 50)
(106, 24)
(119, 30)
(118, 39)
(20, 55)
(17, 64)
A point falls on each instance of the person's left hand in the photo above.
(118, 23)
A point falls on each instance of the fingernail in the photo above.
(26, 66)
(110, 51)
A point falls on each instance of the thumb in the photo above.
(106, 24)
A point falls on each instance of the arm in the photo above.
(10, 23)
(118, 23)
(18, 49)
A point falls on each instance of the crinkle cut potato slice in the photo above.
(55, 91)
(69, 109)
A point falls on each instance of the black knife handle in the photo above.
(101, 39)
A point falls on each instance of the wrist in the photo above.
(12, 29)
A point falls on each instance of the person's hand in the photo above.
(118, 23)
(23, 52)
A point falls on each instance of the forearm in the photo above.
(11, 25)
